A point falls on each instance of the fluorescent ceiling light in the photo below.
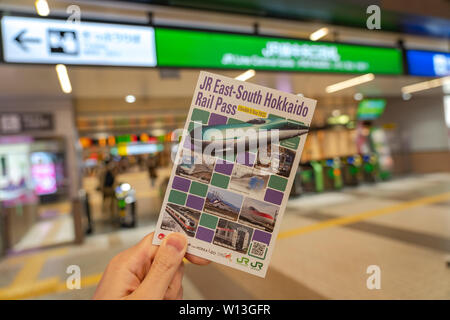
(63, 77)
(426, 85)
(316, 35)
(350, 83)
(130, 98)
(336, 113)
(406, 96)
(447, 111)
(42, 8)
(446, 87)
(358, 96)
(246, 75)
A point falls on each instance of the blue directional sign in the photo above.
(428, 63)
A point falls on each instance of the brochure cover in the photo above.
(234, 168)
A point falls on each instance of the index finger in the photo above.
(196, 260)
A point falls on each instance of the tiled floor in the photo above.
(47, 233)
(399, 226)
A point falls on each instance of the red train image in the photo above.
(186, 218)
(259, 214)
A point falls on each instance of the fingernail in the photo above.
(176, 241)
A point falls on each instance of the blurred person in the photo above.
(133, 164)
(120, 164)
(107, 183)
(141, 162)
(152, 165)
(146, 271)
(123, 164)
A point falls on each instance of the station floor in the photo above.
(325, 246)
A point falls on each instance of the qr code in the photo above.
(258, 249)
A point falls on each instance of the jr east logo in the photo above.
(255, 265)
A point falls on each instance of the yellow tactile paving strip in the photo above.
(25, 283)
(365, 215)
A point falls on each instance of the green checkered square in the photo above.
(278, 183)
(198, 189)
(199, 115)
(193, 125)
(220, 180)
(177, 197)
(208, 221)
(291, 143)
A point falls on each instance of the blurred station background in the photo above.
(86, 143)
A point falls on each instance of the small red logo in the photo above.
(161, 236)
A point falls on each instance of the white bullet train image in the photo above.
(253, 133)
(215, 200)
(187, 164)
(194, 167)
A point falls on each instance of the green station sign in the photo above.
(201, 49)
(370, 109)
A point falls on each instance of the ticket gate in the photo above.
(332, 174)
(126, 203)
(311, 176)
(370, 168)
(352, 170)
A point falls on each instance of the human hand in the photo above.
(146, 271)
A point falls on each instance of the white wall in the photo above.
(419, 124)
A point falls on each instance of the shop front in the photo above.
(36, 165)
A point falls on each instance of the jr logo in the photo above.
(256, 265)
(242, 260)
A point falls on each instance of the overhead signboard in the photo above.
(428, 63)
(12, 123)
(200, 49)
(35, 40)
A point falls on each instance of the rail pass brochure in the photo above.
(233, 171)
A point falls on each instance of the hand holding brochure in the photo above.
(234, 170)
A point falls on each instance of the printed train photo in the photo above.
(180, 219)
(259, 214)
(249, 181)
(233, 236)
(223, 203)
(195, 166)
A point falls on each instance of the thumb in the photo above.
(167, 260)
